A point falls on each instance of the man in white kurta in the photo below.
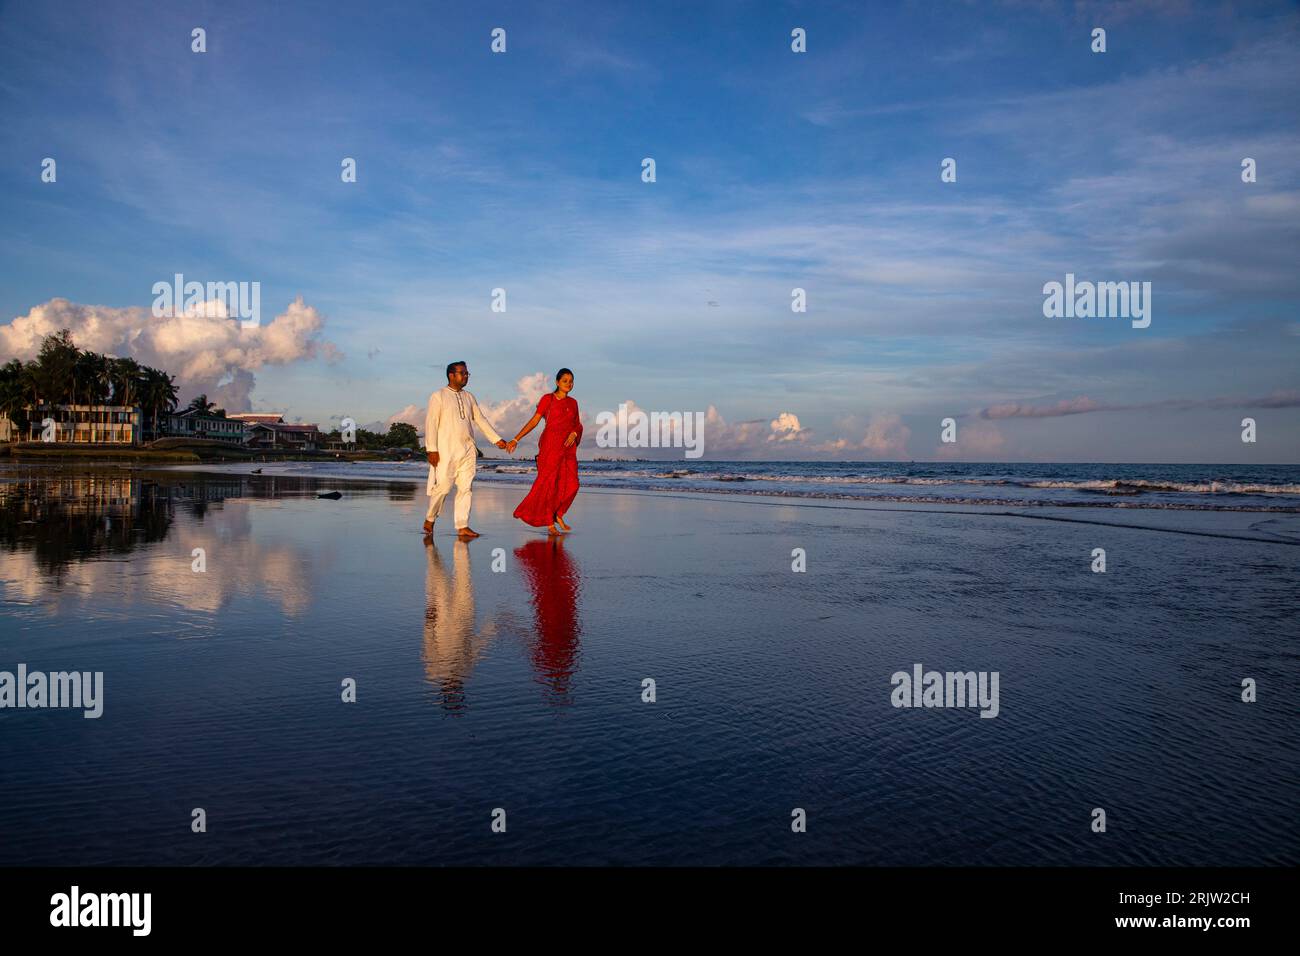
(449, 442)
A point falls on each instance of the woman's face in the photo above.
(564, 383)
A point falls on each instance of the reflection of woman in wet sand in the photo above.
(553, 578)
(556, 484)
(452, 644)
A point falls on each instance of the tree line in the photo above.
(399, 435)
(63, 374)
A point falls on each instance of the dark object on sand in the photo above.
(334, 495)
(257, 471)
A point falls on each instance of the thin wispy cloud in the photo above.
(1084, 406)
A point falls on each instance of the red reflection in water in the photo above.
(553, 577)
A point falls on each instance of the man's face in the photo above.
(459, 377)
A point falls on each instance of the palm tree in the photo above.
(157, 393)
(30, 383)
(13, 392)
(54, 376)
(95, 380)
(82, 375)
(92, 374)
(200, 404)
(11, 386)
(125, 377)
(103, 366)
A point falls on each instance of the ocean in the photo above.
(1193, 487)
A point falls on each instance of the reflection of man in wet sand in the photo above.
(452, 645)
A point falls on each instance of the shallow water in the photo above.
(1245, 488)
(521, 689)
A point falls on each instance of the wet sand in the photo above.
(522, 688)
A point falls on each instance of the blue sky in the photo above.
(775, 170)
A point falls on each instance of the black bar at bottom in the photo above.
(333, 904)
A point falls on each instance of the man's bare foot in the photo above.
(428, 527)
(553, 530)
(560, 521)
(467, 532)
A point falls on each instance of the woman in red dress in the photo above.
(557, 458)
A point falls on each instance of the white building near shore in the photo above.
(78, 425)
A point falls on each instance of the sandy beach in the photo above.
(509, 673)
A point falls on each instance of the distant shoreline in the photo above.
(226, 453)
(181, 454)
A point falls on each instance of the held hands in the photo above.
(510, 445)
(501, 444)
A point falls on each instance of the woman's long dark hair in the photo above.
(563, 372)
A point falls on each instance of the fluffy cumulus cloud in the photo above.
(508, 415)
(722, 439)
(206, 350)
(785, 427)
(781, 435)
(411, 415)
(976, 441)
(884, 436)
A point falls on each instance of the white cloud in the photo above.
(785, 427)
(206, 351)
(976, 441)
(507, 416)
(885, 436)
(512, 414)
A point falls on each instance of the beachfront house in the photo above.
(82, 424)
(269, 430)
(192, 423)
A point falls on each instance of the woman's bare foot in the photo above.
(553, 530)
(559, 519)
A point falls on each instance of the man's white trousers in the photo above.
(459, 472)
